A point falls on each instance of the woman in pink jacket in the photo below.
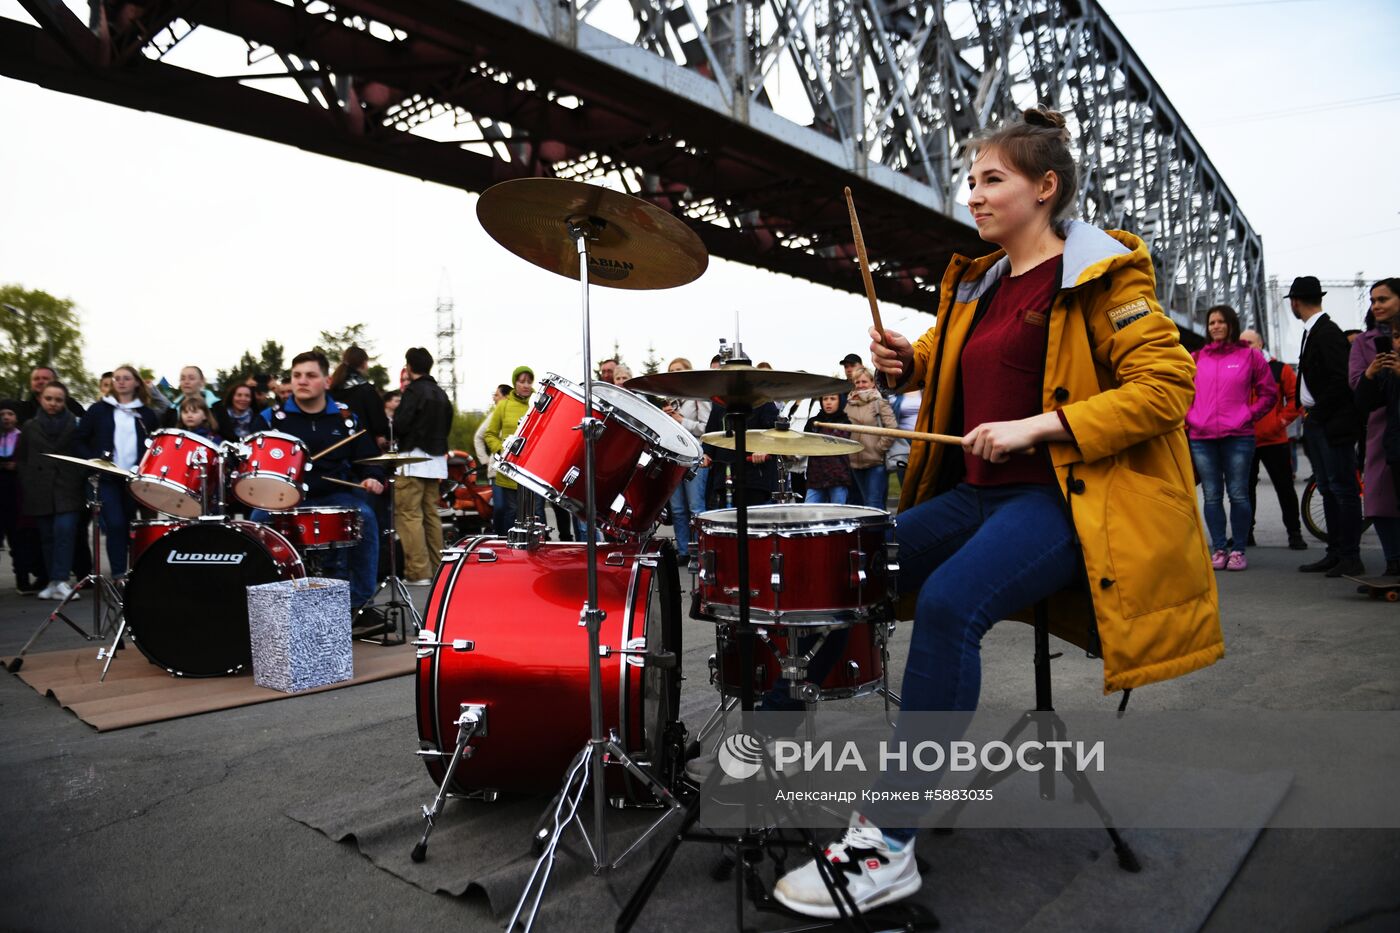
(1234, 389)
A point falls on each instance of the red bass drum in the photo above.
(528, 663)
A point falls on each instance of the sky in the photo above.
(185, 244)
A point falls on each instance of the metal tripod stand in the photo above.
(400, 608)
(107, 600)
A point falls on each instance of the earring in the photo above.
(1040, 200)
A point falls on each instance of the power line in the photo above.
(1308, 109)
(1207, 6)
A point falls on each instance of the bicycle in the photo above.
(1310, 509)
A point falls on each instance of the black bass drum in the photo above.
(186, 606)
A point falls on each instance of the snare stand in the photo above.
(107, 600)
(400, 608)
(751, 843)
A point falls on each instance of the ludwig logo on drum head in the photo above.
(205, 557)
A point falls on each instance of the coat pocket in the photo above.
(1154, 544)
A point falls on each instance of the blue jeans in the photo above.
(836, 495)
(974, 556)
(1334, 468)
(1229, 459)
(359, 564)
(686, 502)
(57, 536)
(504, 505)
(873, 484)
(118, 510)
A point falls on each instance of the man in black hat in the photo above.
(849, 362)
(1331, 427)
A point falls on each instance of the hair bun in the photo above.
(1044, 116)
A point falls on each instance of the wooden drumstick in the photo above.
(900, 432)
(340, 443)
(342, 482)
(865, 274)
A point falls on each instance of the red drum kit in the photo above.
(195, 562)
(539, 659)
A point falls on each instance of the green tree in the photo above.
(464, 425)
(333, 343)
(652, 364)
(269, 359)
(41, 330)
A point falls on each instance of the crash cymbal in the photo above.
(632, 243)
(396, 460)
(784, 442)
(737, 384)
(105, 466)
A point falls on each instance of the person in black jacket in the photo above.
(421, 426)
(51, 491)
(761, 476)
(310, 414)
(115, 428)
(350, 386)
(1331, 427)
(39, 377)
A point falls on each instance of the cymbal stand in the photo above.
(587, 766)
(107, 600)
(400, 608)
(752, 842)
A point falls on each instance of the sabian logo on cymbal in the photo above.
(200, 557)
(614, 269)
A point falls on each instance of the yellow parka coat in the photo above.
(1115, 366)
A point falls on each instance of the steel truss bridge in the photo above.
(746, 119)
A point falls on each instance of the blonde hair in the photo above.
(680, 359)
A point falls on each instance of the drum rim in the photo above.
(149, 523)
(315, 509)
(164, 483)
(844, 617)
(868, 517)
(633, 421)
(279, 435)
(183, 433)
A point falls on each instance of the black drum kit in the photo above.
(540, 660)
(184, 602)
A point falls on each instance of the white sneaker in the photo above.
(426, 581)
(873, 873)
(62, 591)
(45, 593)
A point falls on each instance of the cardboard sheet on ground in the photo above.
(137, 692)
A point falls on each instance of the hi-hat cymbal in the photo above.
(105, 466)
(396, 460)
(631, 243)
(783, 442)
(736, 384)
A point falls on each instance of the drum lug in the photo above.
(853, 673)
(620, 507)
(484, 556)
(707, 566)
(542, 400)
(514, 444)
(570, 477)
(857, 568)
(649, 464)
(892, 558)
(775, 579)
(426, 643)
(615, 559)
(713, 664)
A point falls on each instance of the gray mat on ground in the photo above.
(974, 879)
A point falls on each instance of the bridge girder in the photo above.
(750, 141)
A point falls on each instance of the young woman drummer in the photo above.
(1070, 386)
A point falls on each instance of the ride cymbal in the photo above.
(105, 466)
(736, 384)
(631, 243)
(783, 442)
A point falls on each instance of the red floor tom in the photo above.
(318, 529)
(808, 564)
(518, 609)
(841, 662)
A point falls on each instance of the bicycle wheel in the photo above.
(1310, 509)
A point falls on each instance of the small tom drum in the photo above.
(175, 471)
(269, 474)
(144, 534)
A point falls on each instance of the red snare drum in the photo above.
(172, 475)
(808, 564)
(844, 662)
(640, 457)
(316, 529)
(144, 534)
(269, 475)
(528, 662)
